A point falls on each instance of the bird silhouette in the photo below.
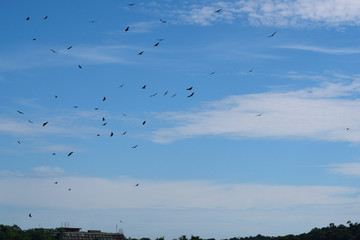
(98, 134)
(104, 99)
(140, 53)
(104, 124)
(80, 66)
(53, 154)
(156, 44)
(219, 10)
(143, 87)
(153, 95)
(192, 94)
(103, 118)
(160, 39)
(30, 121)
(69, 189)
(251, 70)
(28, 18)
(70, 154)
(166, 93)
(135, 146)
(45, 17)
(69, 48)
(127, 29)
(92, 21)
(173, 95)
(18, 142)
(121, 85)
(56, 96)
(34, 39)
(212, 73)
(53, 50)
(258, 115)
(189, 88)
(144, 122)
(44, 124)
(124, 133)
(163, 21)
(272, 35)
(137, 185)
(111, 134)
(56, 182)
(30, 215)
(96, 108)
(131, 4)
(76, 106)
(20, 112)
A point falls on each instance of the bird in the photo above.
(166, 93)
(69, 189)
(20, 112)
(30, 215)
(76, 106)
(45, 17)
(251, 70)
(56, 96)
(163, 21)
(212, 73)
(70, 154)
(124, 114)
(137, 185)
(144, 122)
(191, 95)
(140, 53)
(34, 39)
(160, 39)
(127, 29)
(30, 121)
(189, 88)
(121, 85)
(98, 134)
(135, 146)
(272, 35)
(258, 115)
(56, 182)
(69, 48)
(219, 10)
(104, 124)
(80, 66)
(103, 119)
(28, 18)
(347, 128)
(53, 154)
(153, 95)
(111, 134)
(104, 99)
(143, 87)
(131, 4)
(92, 21)
(173, 95)
(124, 133)
(18, 142)
(156, 44)
(96, 108)
(121, 221)
(44, 124)
(53, 50)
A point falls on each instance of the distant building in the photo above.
(76, 234)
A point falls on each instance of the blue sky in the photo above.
(268, 144)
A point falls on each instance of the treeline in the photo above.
(331, 232)
(15, 233)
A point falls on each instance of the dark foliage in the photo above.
(15, 233)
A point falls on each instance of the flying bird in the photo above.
(189, 88)
(34, 39)
(163, 21)
(192, 94)
(53, 50)
(28, 18)
(30, 215)
(30, 121)
(20, 112)
(111, 134)
(69, 189)
(212, 73)
(80, 66)
(131, 4)
(173, 95)
(96, 108)
(251, 70)
(219, 10)
(98, 134)
(69, 48)
(104, 124)
(18, 142)
(103, 119)
(127, 29)
(137, 185)
(156, 44)
(56, 182)
(140, 53)
(44, 124)
(56, 96)
(121, 85)
(143, 87)
(144, 123)
(272, 35)
(76, 106)
(124, 133)
(45, 17)
(153, 95)
(70, 154)
(135, 146)
(160, 39)
(347, 128)
(92, 21)
(53, 154)
(258, 115)
(104, 99)
(124, 114)
(166, 93)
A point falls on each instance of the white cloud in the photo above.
(321, 113)
(99, 193)
(45, 171)
(345, 169)
(282, 13)
(337, 51)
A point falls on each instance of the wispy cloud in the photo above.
(282, 13)
(321, 113)
(345, 169)
(336, 51)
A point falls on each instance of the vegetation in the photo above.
(331, 232)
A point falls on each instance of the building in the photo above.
(76, 234)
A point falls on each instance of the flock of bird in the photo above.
(104, 122)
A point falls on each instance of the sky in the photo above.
(268, 143)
